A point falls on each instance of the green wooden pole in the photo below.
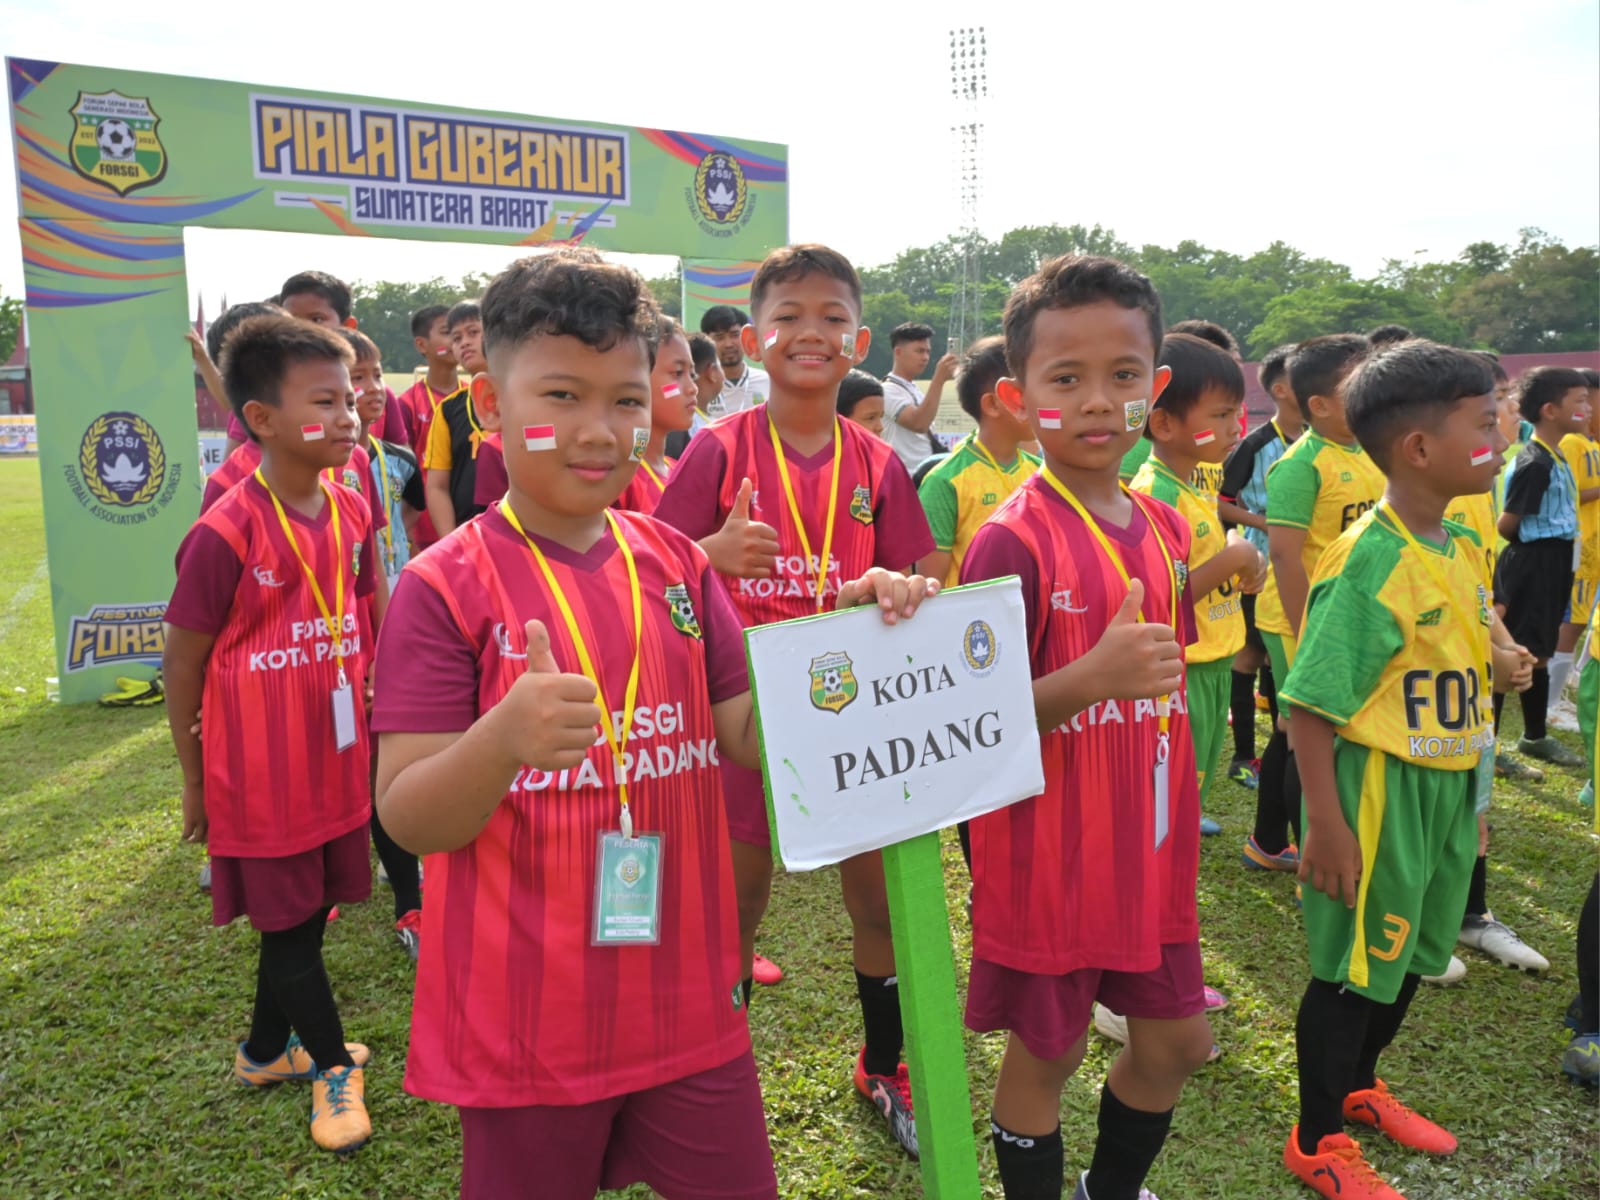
(925, 964)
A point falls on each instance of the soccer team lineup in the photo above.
(603, 649)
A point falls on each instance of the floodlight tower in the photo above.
(969, 88)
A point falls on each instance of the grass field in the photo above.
(120, 1004)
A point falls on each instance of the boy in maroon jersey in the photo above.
(263, 640)
(578, 996)
(788, 501)
(1087, 891)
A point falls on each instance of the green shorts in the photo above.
(1210, 688)
(1419, 841)
(1588, 704)
(1280, 653)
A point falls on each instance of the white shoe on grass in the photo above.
(1497, 940)
(1454, 973)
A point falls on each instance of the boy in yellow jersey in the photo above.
(1581, 449)
(1318, 489)
(1389, 700)
(458, 429)
(1193, 424)
(984, 468)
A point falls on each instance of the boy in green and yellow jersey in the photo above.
(982, 471)
(1194, 424)
(1390, 699)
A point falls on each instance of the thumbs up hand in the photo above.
(1141, 658)
(548, 718)
(743, 548)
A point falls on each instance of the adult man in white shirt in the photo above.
(746, 385)
(909, 414)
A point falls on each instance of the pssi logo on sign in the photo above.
(114, 141)
(116, 633)
(720, 197)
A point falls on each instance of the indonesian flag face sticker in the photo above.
(1205, 437)
(771, 340)
(539, 437)
(671, 391)
(312, 433)
(1482, 456)
(1049, 418)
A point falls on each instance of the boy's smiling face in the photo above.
(802, 329)
(1091, 372)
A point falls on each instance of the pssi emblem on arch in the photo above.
(115, 142)
(833, 681)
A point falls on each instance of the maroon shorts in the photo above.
(703, 1136)
(746, 801)
(1050, 1012)
(280, 893)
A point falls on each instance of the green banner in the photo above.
(710, 282)
(113, 164)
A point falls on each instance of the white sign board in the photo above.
(212, 446)
(872, 734)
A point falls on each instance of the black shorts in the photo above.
(1252, 635)
(1534, 581)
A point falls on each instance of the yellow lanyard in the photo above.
(335, 619)
(1477, 634)
(471, 417)
(1278, 429)
(982, 452)
(613, 739)
(661, 484)
(1161, 468)
(794, 507)
(388, 498)
(1163, 705)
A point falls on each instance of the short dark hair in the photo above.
(231, 318)
(1208, 331)
(789, 264)
(702, 351)
(1274, 366)
(1409, 384)
(1387, 335)
(1198, 365)
(1591, 377)
(1070, 281)
(910, 331)
(364, 348)
(663, 330)
(422, 320)
(855, 387)
(1318, 364)
(1544, 385)
(335, 291)
(261, 350)
(463, 311)
(570, 293)
(983, 365)
(723, 317)
(1492, 361)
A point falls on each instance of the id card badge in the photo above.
(344, 717)
(1162, 821)
(627, 891)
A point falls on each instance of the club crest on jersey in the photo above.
(1483, 606)
(979, 649)
(833, 681)
(681, 609)
(1181, 569)
(861, 504)
(355, 559)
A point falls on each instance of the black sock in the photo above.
(401, 865)
(964, 836)
(1477, 898)
(1329, 1032)
(1292, 795)
(880, 1013)
(1382, 1025)
(1534, 703)
(1030, 1168)
(1242, 703)
(1499, 707)
(1128, 1143)
(1589, 960)
(293, 964)
(1271, 817)
(1269, 689)
(745, 986)
(269, 1028)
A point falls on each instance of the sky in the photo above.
(1362, 132)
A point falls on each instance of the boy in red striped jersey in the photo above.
(1087, 891)
(579, 1054)
(788, 501)
(263, 640)
(672, 410)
